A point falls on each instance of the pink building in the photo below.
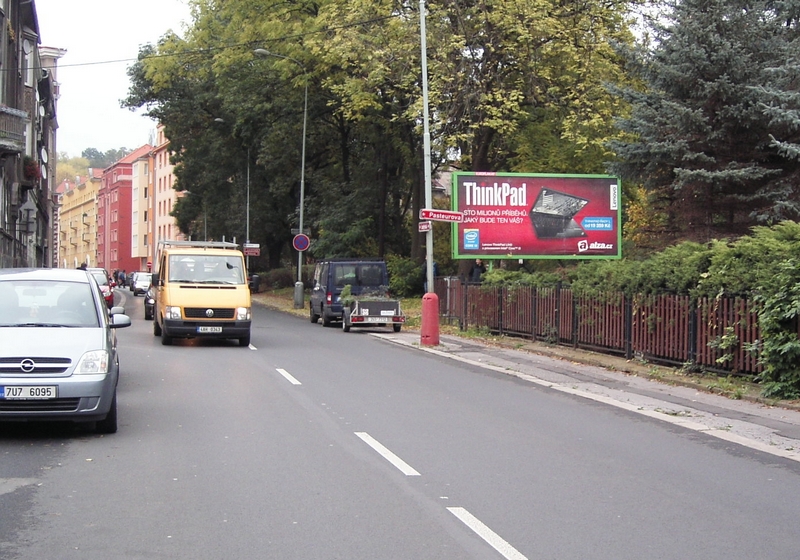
(114, 214)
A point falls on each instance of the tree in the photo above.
(68, 168)
(710, 143)
(101, 160)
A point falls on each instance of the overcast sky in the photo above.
(102, 38)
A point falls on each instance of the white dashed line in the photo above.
(288, 376)
(494, 540)
(404, 467)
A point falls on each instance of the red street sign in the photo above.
(440, 215)
(424, 226)
(300, 242)
(252, 251)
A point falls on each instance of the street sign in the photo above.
(440, 215)
(306, 231)
(251, 245)
(252, 251)
(301, 242)
(424, 226)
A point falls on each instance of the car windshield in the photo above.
(144, 278)
(44, 303)
(206, 269)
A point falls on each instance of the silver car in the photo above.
(58, 351)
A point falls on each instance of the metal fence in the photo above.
(716, 334)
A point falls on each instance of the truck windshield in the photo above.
(206, 269)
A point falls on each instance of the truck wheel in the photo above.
(244, 341)
(311, 315)
(326, 319)
(165, 340)
(345, 324)
(156, 327)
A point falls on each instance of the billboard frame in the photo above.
(571, 189)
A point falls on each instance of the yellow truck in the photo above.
(201, 291)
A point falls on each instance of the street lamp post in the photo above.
(298, 287)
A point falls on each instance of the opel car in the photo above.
(58, 355)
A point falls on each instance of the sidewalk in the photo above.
(627, 385)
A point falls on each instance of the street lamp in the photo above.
(298, 287)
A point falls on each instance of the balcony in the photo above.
(12, 130)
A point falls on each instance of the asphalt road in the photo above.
(315, 444)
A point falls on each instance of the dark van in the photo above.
(330, 278)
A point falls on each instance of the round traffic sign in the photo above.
(301, 242)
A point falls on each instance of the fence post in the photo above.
(534, 310)
(500, 294)
(558, 312)
(574, 333)
(462, 320)
(693, 334)
(628, 305)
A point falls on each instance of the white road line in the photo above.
(251, 347)
(404, 467)
(288, 376)
(494, 540)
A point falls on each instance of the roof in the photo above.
(52, 274)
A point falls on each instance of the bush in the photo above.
(405, 276)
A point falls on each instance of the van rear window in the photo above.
(366, 274)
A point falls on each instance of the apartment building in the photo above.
(114, 214)
(77, 221)
(164, 195)
(28, 94)
(142, 188)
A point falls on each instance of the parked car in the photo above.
(58, 357)
(149, 303)
(106, 284)
(141, 282)
(330, 278)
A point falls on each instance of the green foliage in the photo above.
(405, 276)
(277, 278)
(778, 320)
(708, 140)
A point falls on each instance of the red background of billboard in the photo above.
(594, 189)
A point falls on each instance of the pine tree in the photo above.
(715, 125)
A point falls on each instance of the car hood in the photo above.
(50, 341)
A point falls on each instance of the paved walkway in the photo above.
(627, 385)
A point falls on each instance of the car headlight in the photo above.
(150, 300)
(93, 362)
(172, 312)
(242, 313)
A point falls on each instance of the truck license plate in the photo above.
(209, 329)
(29, 392)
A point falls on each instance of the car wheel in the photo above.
(396, 327)
(108, 425)
(244, 341)
(147, 315)
(326, 319)
(156, 328)
(311, 315)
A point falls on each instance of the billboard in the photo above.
(529, 216)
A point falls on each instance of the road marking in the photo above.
(493, 539)
(404, 467)
(251, 347)
(288, 376)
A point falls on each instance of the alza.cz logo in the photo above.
(595, 245)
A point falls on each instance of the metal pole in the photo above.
(247, 212)
(299, 301)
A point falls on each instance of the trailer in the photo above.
(377, 312)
